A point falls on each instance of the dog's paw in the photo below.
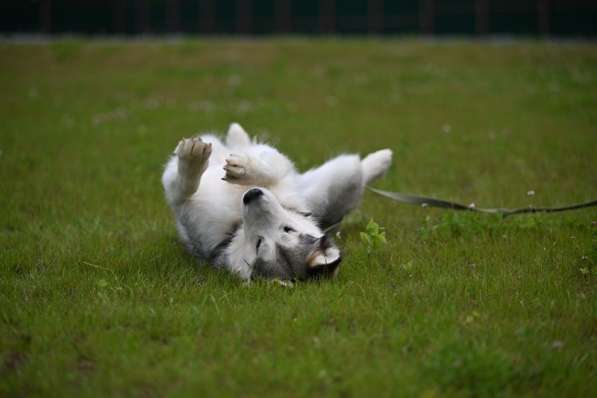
(376, 164)
(193, 154)
(236, 168)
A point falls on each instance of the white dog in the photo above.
(243, 206)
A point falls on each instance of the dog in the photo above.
(241, 205)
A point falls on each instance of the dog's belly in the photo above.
(212, 213)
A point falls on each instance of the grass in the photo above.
(97, 298)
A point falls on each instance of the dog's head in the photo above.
(287, 243)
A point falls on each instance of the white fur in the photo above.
(205, 181)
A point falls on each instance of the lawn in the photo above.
(97, 297)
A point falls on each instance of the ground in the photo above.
(98, 298)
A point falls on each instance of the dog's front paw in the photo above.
(236, 168)
(193, 155)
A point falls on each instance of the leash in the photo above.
(445, 204)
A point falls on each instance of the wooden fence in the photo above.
(254, 17)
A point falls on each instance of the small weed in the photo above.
(374, 236)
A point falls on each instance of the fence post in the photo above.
(427, 16)
(118, 17)
(173, 15)
(543, 11)
(207, 22)
(142, 16)
(327, 16)
(283, 16)
(375, 16)
(482, 16)
(244, 11)
(45, 16)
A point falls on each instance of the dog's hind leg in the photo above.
(184, 169)
(335, 188)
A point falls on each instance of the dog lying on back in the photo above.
(242, 205)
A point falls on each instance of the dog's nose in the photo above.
(251, 195)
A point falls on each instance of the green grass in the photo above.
(97, 298)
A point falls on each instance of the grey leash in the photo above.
(444, 204)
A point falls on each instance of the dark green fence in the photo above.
(261, 17)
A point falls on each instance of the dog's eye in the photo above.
(259, 241)
(288, 229)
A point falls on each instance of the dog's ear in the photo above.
(328, 257)
(325, 259)
(237, 136)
